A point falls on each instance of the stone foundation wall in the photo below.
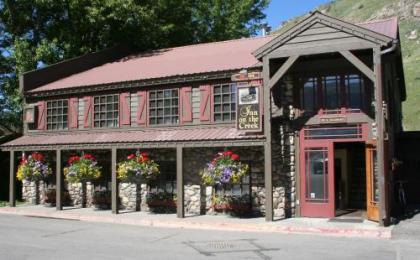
(76, 193)
(33, 192)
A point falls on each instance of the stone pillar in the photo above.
(192, 202)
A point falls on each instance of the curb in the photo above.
(377, 232)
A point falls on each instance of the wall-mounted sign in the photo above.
(332, 120)
(248, 109)
(245, 76)
(29, 115)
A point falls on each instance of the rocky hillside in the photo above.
(408, 12)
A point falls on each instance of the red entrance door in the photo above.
(317, 182)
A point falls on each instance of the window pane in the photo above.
(105, 111)
(309, 94)
(316, 175)
(331, 92)
(224, 97)
(164, 105)
(354, 87)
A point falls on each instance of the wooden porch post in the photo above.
(377, 68)
(268, 175)
(59, 181)
(114, 189)
(12, 181)
(179, 182)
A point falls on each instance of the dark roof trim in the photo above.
(39, 77)
(134, 145)
(317, 17)
(136, 84)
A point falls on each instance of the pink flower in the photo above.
(131, 156)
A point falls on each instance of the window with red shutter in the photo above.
(141, 109)
(42, 110)
(87, 115)
(186, 105)
(125, 110)
(205, 102)
(73, 113)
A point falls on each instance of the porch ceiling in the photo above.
(192, 137)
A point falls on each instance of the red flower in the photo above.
(37, 156)
(73, 159)
(144, 154)
(89, 156)
(144, 159)
(234, 157)
(228, 153)
(131, 156)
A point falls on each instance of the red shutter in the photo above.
(73, 113)
(42, 114)
(186, 105)
(125, 110)
(87, 116)
(205, 102)
(141, 109)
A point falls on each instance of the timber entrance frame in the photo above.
(322, 34)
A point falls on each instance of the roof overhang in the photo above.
(150, 138)
(317, 17)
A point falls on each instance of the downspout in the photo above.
(392, 48)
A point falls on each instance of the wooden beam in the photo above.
(114, 185)
(268, 175)
(59, 181)
(12, 181)
(379, 118)
(358, 64)
(180, 213)
(283, 69)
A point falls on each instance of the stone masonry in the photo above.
(77, 191)
(33, 192)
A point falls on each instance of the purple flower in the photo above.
(226, 175)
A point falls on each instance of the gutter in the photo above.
(392, 48)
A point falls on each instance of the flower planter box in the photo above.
(33, 192)
(131, 196)
(161, 202)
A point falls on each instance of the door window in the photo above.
(316, 164)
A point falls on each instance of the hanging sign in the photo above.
(248, 109)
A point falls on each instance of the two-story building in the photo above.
(328, 99)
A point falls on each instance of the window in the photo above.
(224, 102)
(105, 111)
(163, 107)
(331, 93)
(309, 97)
(354, 89)
(57, 114)
(316, 175)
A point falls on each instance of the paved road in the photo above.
(41, 238)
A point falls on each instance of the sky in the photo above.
(282, 10)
